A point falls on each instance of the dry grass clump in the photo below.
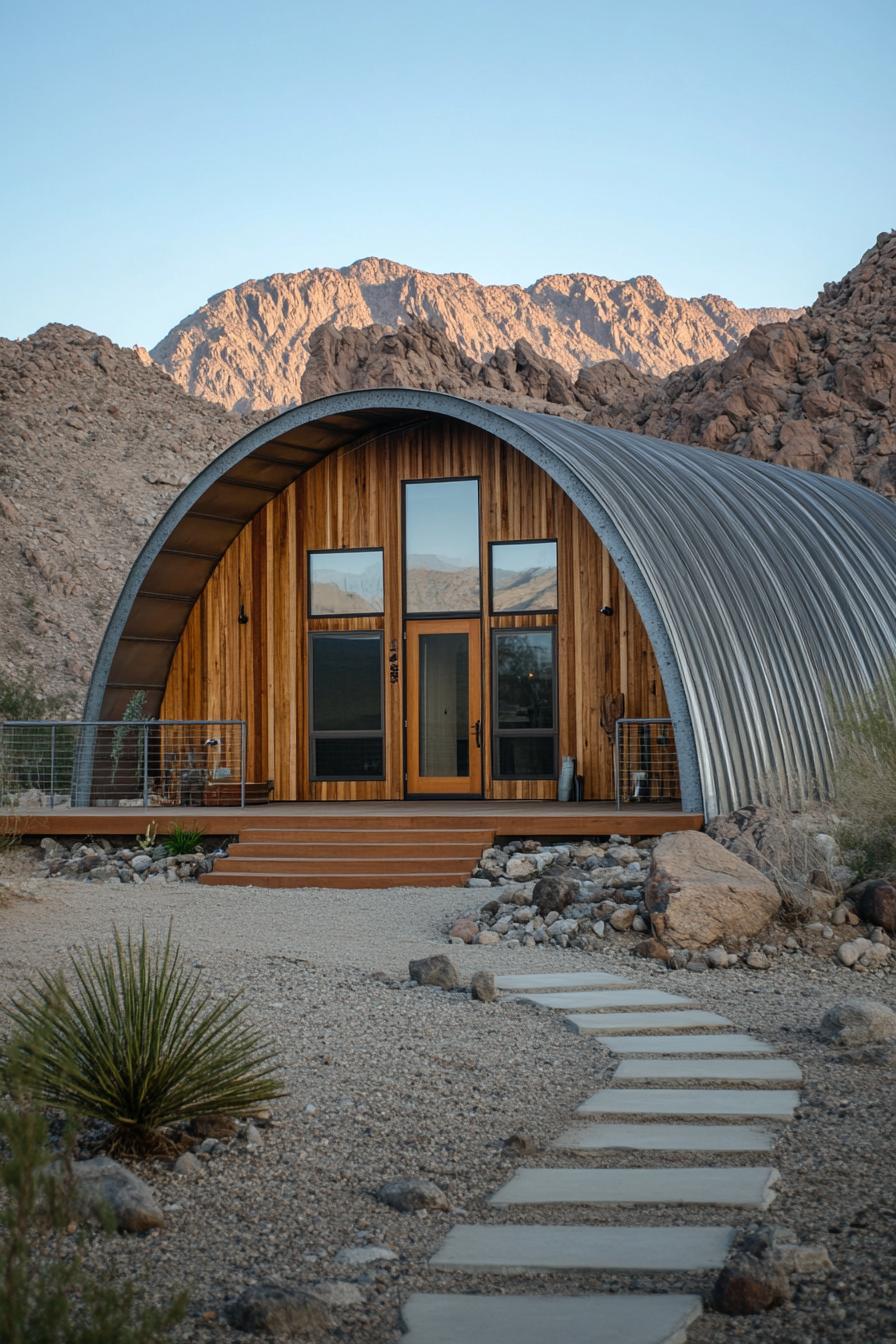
(865, 778)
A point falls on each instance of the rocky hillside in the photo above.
(248, 346)
(817, 392)
(94, 445)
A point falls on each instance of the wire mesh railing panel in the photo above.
(646, 762)
(128, 763)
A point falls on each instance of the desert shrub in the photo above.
(181, 840)
(865, 778)
(19, 700)
(47, 1295)
(140, 1044)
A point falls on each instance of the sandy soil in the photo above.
(420, 1083)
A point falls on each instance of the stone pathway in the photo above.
(658, 1038)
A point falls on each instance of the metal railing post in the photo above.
(617, 768)
(52, 765)
(146, 765)
(243, 747)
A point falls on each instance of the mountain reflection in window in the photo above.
(524, 576)
(345, 583)
(442, 547)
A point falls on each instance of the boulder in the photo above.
(104, 1189)
(748, 1284)
(858, 1022)
(699, 893)
(438, 971)
(483, 987)
(551, 893)
(282, 1313)
(877, 905)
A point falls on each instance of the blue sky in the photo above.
(154, 154)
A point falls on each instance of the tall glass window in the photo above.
(524, 575)
(345, 583)
(346, 709)
(524, 705)
(441, 538)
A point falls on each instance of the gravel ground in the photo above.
(421, 1083)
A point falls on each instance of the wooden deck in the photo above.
(512, 819)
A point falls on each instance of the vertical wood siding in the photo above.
(258, 671)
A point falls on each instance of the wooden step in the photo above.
(287, 833)
(343, 881)
(340, 863)
(355, 849)
(398, 820)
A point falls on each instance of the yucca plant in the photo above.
(139, 1043)
(181, 840)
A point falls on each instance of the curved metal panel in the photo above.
(767, 593)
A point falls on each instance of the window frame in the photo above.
(342, 615)
(469, 612)
(332, 734)
(526, 611)
(497, 733)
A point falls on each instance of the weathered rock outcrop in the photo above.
(698, 893)
(247, 347)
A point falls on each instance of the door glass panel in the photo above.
(345, 583)
(444, 705)
(442, 547)
(524, 576)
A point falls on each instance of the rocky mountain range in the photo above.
(95, 440)
(247, 347)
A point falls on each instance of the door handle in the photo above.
(477, 729)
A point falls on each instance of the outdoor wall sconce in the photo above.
(243, 618)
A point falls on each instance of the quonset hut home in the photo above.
(406, 594)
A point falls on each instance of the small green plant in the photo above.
(140, 1044)
(865, 778)
(133, 714)
(47, 1294)
(181, 840)
(147, 840)
(18, 700)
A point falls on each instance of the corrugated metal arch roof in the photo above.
(766, 592)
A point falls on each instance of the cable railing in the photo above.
(645, 762)
(58, 763)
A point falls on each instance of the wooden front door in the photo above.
(443, 710)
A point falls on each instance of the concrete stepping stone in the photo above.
(668, 1138)
(525, 1247)
(686, 1045)
(589, 1024)
(708, 1070)
(594, 1318)
(596, 999)
(561, 980)
(697, 1101)
(740, 1187)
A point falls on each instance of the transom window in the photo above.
(524, 708)
(524, 575)
(346, 705)
(441, 539)
(345, 583)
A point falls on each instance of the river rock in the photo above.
(412, 1194)
(699, 893)
(551, 893)
(104, 1188)
(465, 929)
(438, 971)
(282, 1313)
